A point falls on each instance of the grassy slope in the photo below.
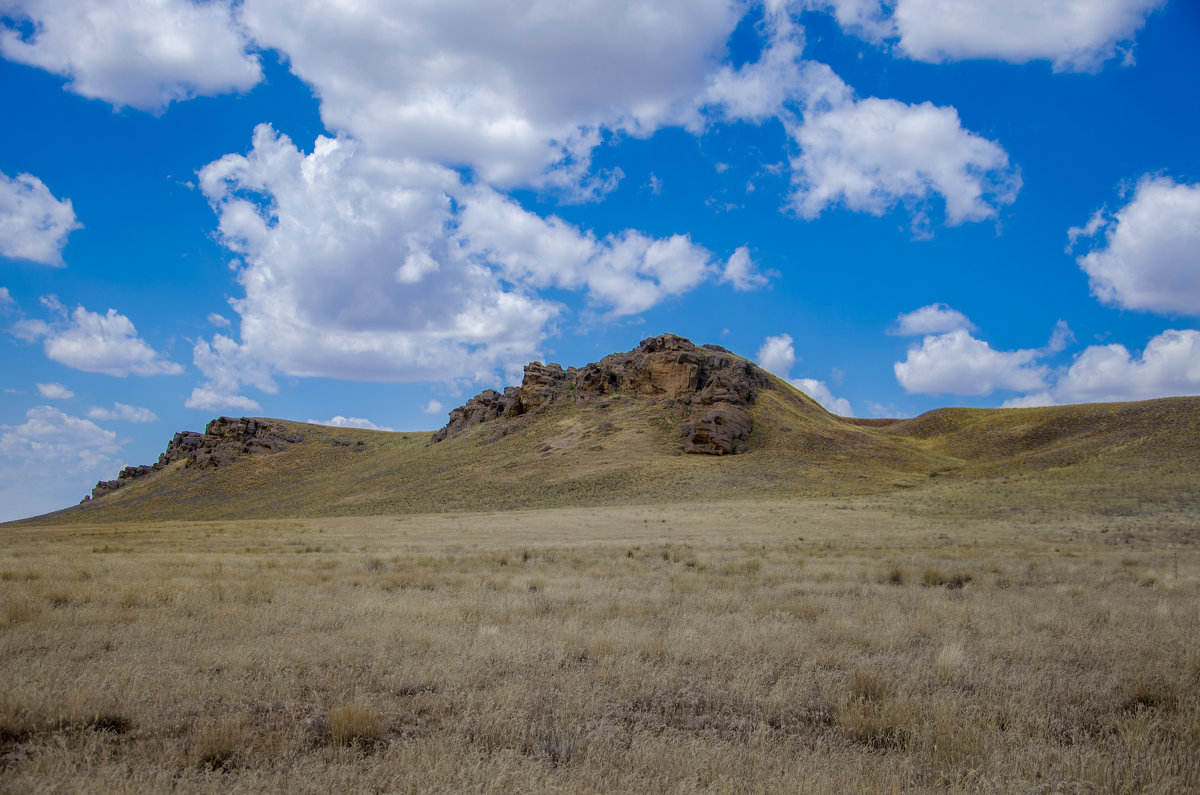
(626, 451)
(1104, 458)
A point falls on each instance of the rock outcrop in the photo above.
(224, 440)
(708, 387)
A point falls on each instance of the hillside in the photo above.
(667, 422)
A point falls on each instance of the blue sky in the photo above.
(365, 212)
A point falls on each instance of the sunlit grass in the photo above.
(765, 645)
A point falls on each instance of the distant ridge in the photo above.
(617, 432)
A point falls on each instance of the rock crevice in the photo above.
(709, 387)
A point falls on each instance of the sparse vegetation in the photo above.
(811, 645)
(969, 600)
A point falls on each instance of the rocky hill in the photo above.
(705, 387)
(619, 431)
(224, 441)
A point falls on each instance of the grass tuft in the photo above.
(219, 745)
(352, 723)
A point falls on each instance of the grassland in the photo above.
(984, 601)
(948, 638)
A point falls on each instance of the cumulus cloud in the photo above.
(931, 319)
(629, 272)
(1169, 365)
(6, 299)
(97, 343)
(47, 461)
(350, 270)
(1035, 400)
(759, 90)
(226, 366)
(1149, 257)
(220, 321)
(872, 154)
(520, 92)
(123, 411)
(33, 224)
(432, 407)
(54, 392)
(777, 355)
(741, 272)
(338, 421)
(959, 364)
(139, 53)
(368, 268)
(866, 18)
(819, 391)
(1074, 36)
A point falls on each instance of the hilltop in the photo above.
(669, 421)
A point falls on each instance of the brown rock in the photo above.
(706, 386)
(721, 429)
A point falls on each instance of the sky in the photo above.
(363, 213)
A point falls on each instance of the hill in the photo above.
(667, 422)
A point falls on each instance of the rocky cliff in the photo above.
(707, 387)
(224, 440)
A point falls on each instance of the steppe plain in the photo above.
(987, 602)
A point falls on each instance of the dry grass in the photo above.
(779, 646)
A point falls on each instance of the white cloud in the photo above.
(865, 18)
(339, 421)
(1150, 258)
(1035, 400)
(54, 392)
(1094, 225)
(628, 272)
(868, 155)
(33, 224)
(761, 89)
(1169, 365)
(50, 460)
(226, 366)
(6, 298)
(819, 391)
(432, 407)
(741, 272)
(1060, 338)
(350, 269)
(777, 355)
(220, 321)
(98, 343)
(366, 268)
(518, 91)
(1074, 36)
(959, 364)
(872, 154)
(931, 319)
(140, 53)
(123, 411)
(206, 398)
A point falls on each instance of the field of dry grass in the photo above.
(859, 644)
